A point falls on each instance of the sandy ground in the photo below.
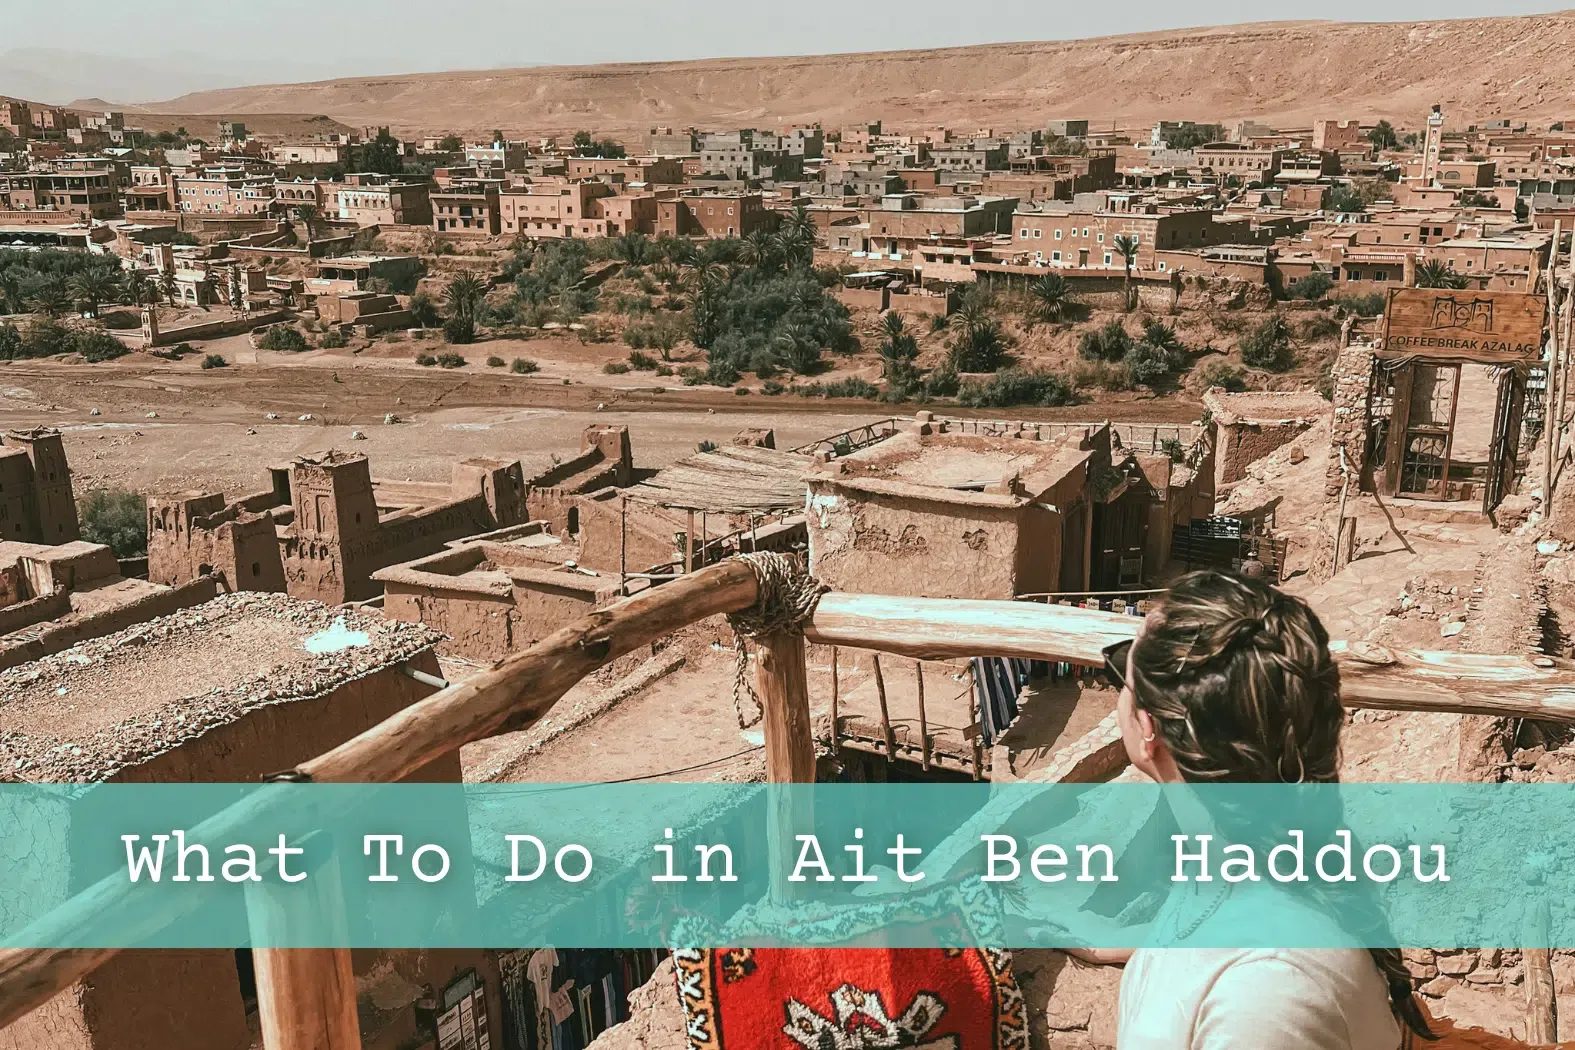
(212, 428)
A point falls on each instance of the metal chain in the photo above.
(787, 594)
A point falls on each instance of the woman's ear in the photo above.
(1149, 732)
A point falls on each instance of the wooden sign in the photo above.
(1457, 324)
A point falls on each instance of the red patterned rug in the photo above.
(851, 999)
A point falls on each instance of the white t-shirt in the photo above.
(1254, 999)
(1259, 998)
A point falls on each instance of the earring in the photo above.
(1149, 739)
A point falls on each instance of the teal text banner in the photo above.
(697, 865)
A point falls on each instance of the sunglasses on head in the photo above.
(1115, 668)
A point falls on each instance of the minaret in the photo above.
(1432, 145)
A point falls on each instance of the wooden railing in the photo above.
(303, 993)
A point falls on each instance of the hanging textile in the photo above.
(997, 682)
(816, 999)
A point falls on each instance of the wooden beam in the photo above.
(1460, 683)
(835, 700)
(951, 628)
(924, 722)
(781, 684)
(1542, 1015)
(305, 996)
(885, 712)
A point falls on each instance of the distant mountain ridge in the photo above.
(1288, 72)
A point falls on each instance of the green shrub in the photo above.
(214, 361)
(425, 360)
(98, 346)
(451, 360)
(1222, 374)
(10, 342)
(1268, 346)
(495, 361)
(852, 386)
(691, 375)
(1321, 326)
(741, 391)
(459, 330)
(1314, 286)
(664, 370)
(524, 366)
(643, 362)
(1102, 375)
(1362, 305)
(283, 338)
(333, 339)
(1017, 386)
(1109, 343)
(771, 387)
(116, 518)
(615, 368)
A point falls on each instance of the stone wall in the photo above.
(1352, 377)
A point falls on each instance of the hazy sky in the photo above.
(300, 39)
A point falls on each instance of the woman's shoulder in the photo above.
(1314, 998)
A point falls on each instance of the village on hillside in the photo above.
(461, 394)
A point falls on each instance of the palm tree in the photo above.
(1432, 273)
(11, 291)
(168, 286)
(973, 311)
(1128, 247)
(1049, 299)
(91, 287)
(464, 296)
(900, 347)
(632, 247)
(760, 249)
(308, 214)
(49, 297)
(798, 236)
(136, 285)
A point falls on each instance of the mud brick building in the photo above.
(493, 596)
(125, 715)
(36, 501)
(332, 527)
(1249, 426)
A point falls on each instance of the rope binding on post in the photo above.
(786, 599)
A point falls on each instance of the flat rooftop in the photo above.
(116, 701)
(1265, 406)
(963, 461)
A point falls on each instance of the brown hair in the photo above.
(1239, 681)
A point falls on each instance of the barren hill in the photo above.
(1284, 71)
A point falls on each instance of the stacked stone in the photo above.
(1352, 378)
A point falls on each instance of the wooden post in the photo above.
(924, 723)
(623, 545)
(836, 735)
(973, 712)
(1564, 373)
(704, 542)
(1541, 1005)
(780, 682)
(1550, 432)
(689, 543)
(885, 713)
(305, 996)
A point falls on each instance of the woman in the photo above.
(1231, 681)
